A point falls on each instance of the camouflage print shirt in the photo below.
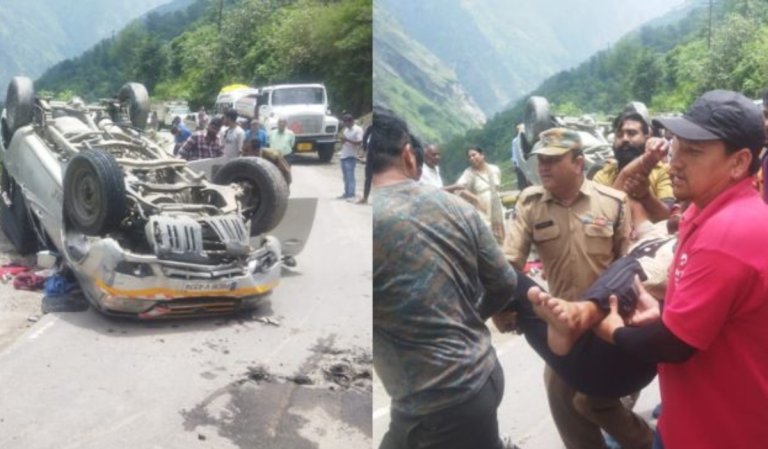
(438, 274)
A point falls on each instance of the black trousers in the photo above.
(594, 366)
(470, 425)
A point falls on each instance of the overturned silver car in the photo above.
(144, 234)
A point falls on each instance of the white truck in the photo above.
(304, 106)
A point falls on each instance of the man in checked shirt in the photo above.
(205, 143)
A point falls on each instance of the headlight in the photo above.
(139, 270)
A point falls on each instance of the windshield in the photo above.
(298, 95)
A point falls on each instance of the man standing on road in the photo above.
(431, 173)
(180, 134)
(282, 139)
(579, 228)
(351, 138)
(203, 144)
(255, 131)
(233, 135)
(438, 274)
(202, 119)
(652, 190)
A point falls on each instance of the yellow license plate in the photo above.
(304, 146)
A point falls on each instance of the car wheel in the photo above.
(279, 161)
(19, 103)
(536, 119)
(137, 99)
(266, 192)
(94, 193)
(15, 219)
(325, 152)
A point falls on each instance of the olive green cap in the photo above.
(557, 141)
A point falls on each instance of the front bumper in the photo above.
(120, 282)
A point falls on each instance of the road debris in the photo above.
(267, 320)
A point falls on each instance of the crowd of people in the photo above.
(230, 136)
(653, 266)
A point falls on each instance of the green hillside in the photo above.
(192, 53)
(412, 81)
(35, 34)
(665, 66)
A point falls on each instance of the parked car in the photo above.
(144, 234)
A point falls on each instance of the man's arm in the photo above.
(635, 180)
(621, 239)
(517, 243)
(639, 189)
(652, 342)
(497, 276)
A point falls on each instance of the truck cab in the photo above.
(305, 107)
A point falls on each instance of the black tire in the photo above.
(136, 98)
(536, 119)
(14, 219)
(19, 103)
(266, 190)
(325, 152)
(526, 147)
(94, 193)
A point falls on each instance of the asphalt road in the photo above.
(82, 380)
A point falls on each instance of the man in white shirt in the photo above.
(232, 136)
(352, 138)
(430, 175)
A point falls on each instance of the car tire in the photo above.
(137, 99)
(325, 152)
(14, 219)
(536, 119)
(19, 103)
(266, 190)
(94, 193)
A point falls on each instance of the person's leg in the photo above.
(343, 166)
(568, 320)
(348, 172)
(593, 366)
(576, 431)
(630, 430)
(351, 179)
(471, 425)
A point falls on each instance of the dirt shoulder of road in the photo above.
(19, 309)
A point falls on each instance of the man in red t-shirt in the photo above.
(711, 342)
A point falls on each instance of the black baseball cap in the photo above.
(720, 115)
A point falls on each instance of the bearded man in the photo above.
(651, 188)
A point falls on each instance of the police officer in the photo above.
(578, 228)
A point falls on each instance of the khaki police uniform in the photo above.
(576, 243)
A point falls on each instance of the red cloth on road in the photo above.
(28, 281)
